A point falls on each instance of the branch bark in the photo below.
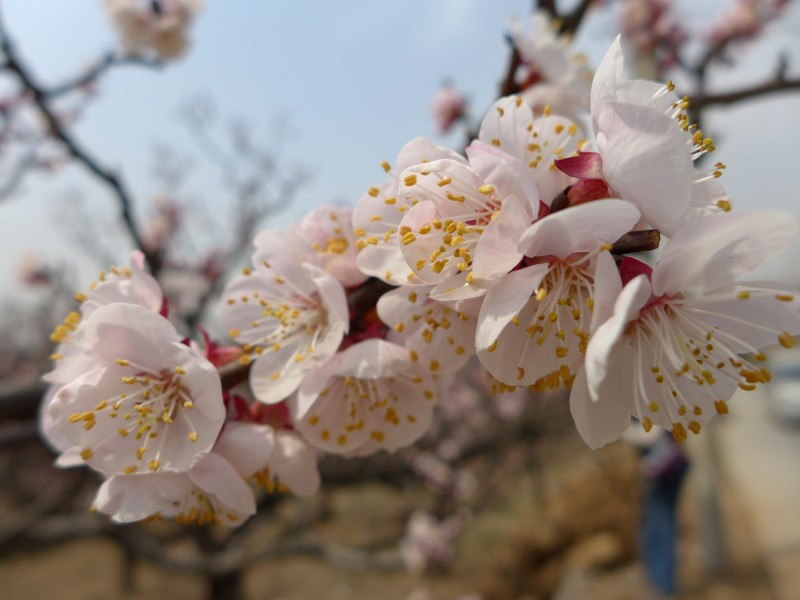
(38, 95)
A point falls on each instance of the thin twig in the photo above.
(108, 61)
(55, 128)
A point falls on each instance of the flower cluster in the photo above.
(153, 28)
(352, 323)
(145, 408)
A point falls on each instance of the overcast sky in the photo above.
(354, 80)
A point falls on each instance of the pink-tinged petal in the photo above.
(607, 287)
(132, 285)
(329, 230)
(373, 359)
(371, 391)
(433, 330)
(246, 446)
(504, 301)
(755, 313)
(496, 253)
(647, 93)
(605, 341)
(130, 498)
(386, 263)
(606, 79)
(130, 332)
(215, 475)
(314, 384)
(456, 288)
(586, 165)
(451, 185)
(283, 251)
(716, 251)
(401, 304)
(417, 251)
(598, 423)
(506, 126)
(553, 137)
(579, 228)
(70, 458)
(422, 150)
(294, 463)
(506, 173)
(332, 295)
(276, 374)
(646, 161)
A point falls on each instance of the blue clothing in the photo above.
(659, 533)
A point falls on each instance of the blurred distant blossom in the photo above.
(556, 76)
(429, 544)
(744, 19)
(651, 29)
(447, 108)
(153, 28)
(35, 272)
(161, 230)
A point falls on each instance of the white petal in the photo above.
(295, 464)
(647, 161)
(506, 173)
(606, 78)
(601, 422)
(607, 286)
(579, 228)
(504, 301)
(246, 446)
(606, 340)
(716, 251)
(506, 122)
(496, 253)
(217, 476)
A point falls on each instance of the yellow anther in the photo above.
(786, 340)
(486, 189)
(386, 166)
(81, 297)
(679, 432)
(193, 437)
(180, 370)
(454, 197)
(410, 180)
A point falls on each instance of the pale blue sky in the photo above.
(355, 80)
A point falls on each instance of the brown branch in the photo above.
(569, 23)
(779, 84)
(573, 20)
(108, 61)
(637, 241)
(57, 131)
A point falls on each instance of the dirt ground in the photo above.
(564, 530)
